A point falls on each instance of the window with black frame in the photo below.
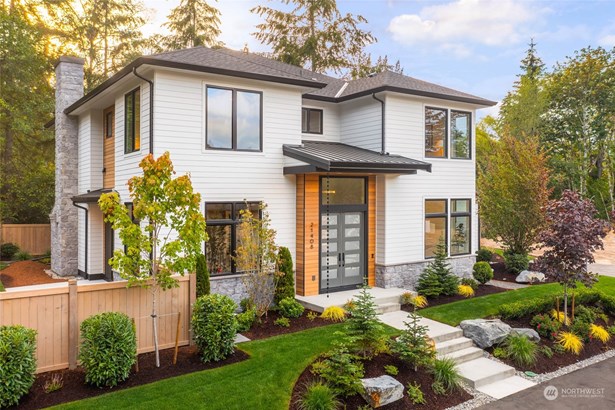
(435, 224)
(461, 123)
(311, 121)
(132, 121)
(460, 226)
(223, 223)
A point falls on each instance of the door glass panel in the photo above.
(332, 274)
(332, 247)
(352, 245)
(332, 220)
(352, 232)
(329, 233)
(352, 219)
(332, 260)
(352, 258)
(343, 191)
(352, 271)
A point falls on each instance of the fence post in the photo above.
(191, 300)
(73, 324)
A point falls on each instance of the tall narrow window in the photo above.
(435, 224)
(233, 119)
(460, 224)
(132, 121)
(460, 134)
(311, 121)
(435, 132)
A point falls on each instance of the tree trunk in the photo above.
(155, 327)
(565, 303)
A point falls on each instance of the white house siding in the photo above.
(331, 121)
(361, 123)
(227, 175)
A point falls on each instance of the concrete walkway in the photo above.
(507, 285)
(602, 269)
(597, 379)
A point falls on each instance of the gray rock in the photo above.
(528, 276)
(382, 390)
(529, 333)
(485, 333)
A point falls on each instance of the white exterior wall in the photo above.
(401, 210)
(360, 122)
(230, 175)
(331, 124)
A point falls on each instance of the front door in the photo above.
(108, 251)
(342, 233)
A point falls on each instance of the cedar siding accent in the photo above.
(109, 148)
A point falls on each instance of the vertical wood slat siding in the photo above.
(109, 151)
(47, 311)
(300, 258)
(32, 238)
(311, 234)
(371, 231)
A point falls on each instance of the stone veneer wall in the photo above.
(63, 218)
(406, 276)
(231, 286)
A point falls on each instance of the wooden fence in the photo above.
(56, 311)
(33, 238)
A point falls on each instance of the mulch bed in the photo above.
(74, 387)
(267, 328)
(25, 273)
(546, 365)
(501, 273)
(375, 368)
(482, 290)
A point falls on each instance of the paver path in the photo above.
(600, 378)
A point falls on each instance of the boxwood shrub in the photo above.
(482, 272)
(526, 307)
(484, 255)
(289, 307)
(17, 363)
(214, 326)
(108, 348)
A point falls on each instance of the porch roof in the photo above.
(90, 196)
(322, 156)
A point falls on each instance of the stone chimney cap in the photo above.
(69, 59)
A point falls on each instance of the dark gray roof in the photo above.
(90, 196)
(337, 157)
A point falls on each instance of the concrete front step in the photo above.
(506, 387)
(481, 372)
(387, 307)
(320, 302)
(453, 345)
(463, 355)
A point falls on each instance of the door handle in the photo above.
(343, 259)
(339, 259)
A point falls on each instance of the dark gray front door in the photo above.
(108, 252)
(342, 250)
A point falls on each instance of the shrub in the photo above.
(546, 351)
(202, 276)
(516, 262)
(584, 314)
(418, 301)
(108, 348)
(437, 278)
(214, 326)
(245, 320)
(285, 287)
(611, 330)
(318, 396)
(445, 373)
(558, 348)
(312, 315)
(470, 282)
(341, 370)
(525, 307)
(546, 326)
(438, 388)
(484, 255)
(570, 342)
(22, 256)
(334, 314)
(17, 363)
(500, 352)
(364, 332)
(599, 332)
(482, 272)
(415, 394)
(246, 304)
(582, 329)
(520, 349)
(1, 287)
(55, 383)
(391, 370)
(560, 317)
(413, 345)
(282, 322)
(289, 307)
(8, 250)
(465, 291)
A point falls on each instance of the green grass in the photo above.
(486, 306)
(265, 381)
(2, 266)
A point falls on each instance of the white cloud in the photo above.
(452, 26)
(607, 40)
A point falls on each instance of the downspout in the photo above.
(151, 109)
(382, 142)
(85, 267)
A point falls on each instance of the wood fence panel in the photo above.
(32, 238)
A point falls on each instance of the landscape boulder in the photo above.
(529, 333)
(380, 391)
(485, 333)
(528, 276)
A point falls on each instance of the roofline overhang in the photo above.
(86, 199)
(190, 67)
(311, 169)
(477, 101)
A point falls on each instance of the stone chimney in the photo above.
(69, 88)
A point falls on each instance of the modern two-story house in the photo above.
(362, 178)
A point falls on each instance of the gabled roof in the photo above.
(337, 157)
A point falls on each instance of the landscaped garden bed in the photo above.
(443, 300)
(268, 327)
(74, 386)
(25, 273)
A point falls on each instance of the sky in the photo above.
(473, 46)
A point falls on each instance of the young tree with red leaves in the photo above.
(573, 233)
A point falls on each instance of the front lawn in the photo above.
(480, 307)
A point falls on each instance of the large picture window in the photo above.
(233, 119)
(132, 121)
(460, 226)
(460, 134)
(437, 214)
(435, 225)
(435, 132)
(223, 223)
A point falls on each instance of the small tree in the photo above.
(286, 282)
(363, 329)
(257, 257)
(202, 276)
(171, 237)
(438, 278)
(413, 344)
(573, 233)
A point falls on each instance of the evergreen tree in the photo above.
(314, 35)
(438, 278)
(193, 23)
(285, 287)
(203, 286)
(363, 66)
(413, 344)
(363, 329)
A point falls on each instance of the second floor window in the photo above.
(435, 132)
(443, 125)
(311, 121)
(132, 121)
(233, 119)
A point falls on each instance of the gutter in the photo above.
(382, 140)
(85, 268)
(151, 109)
